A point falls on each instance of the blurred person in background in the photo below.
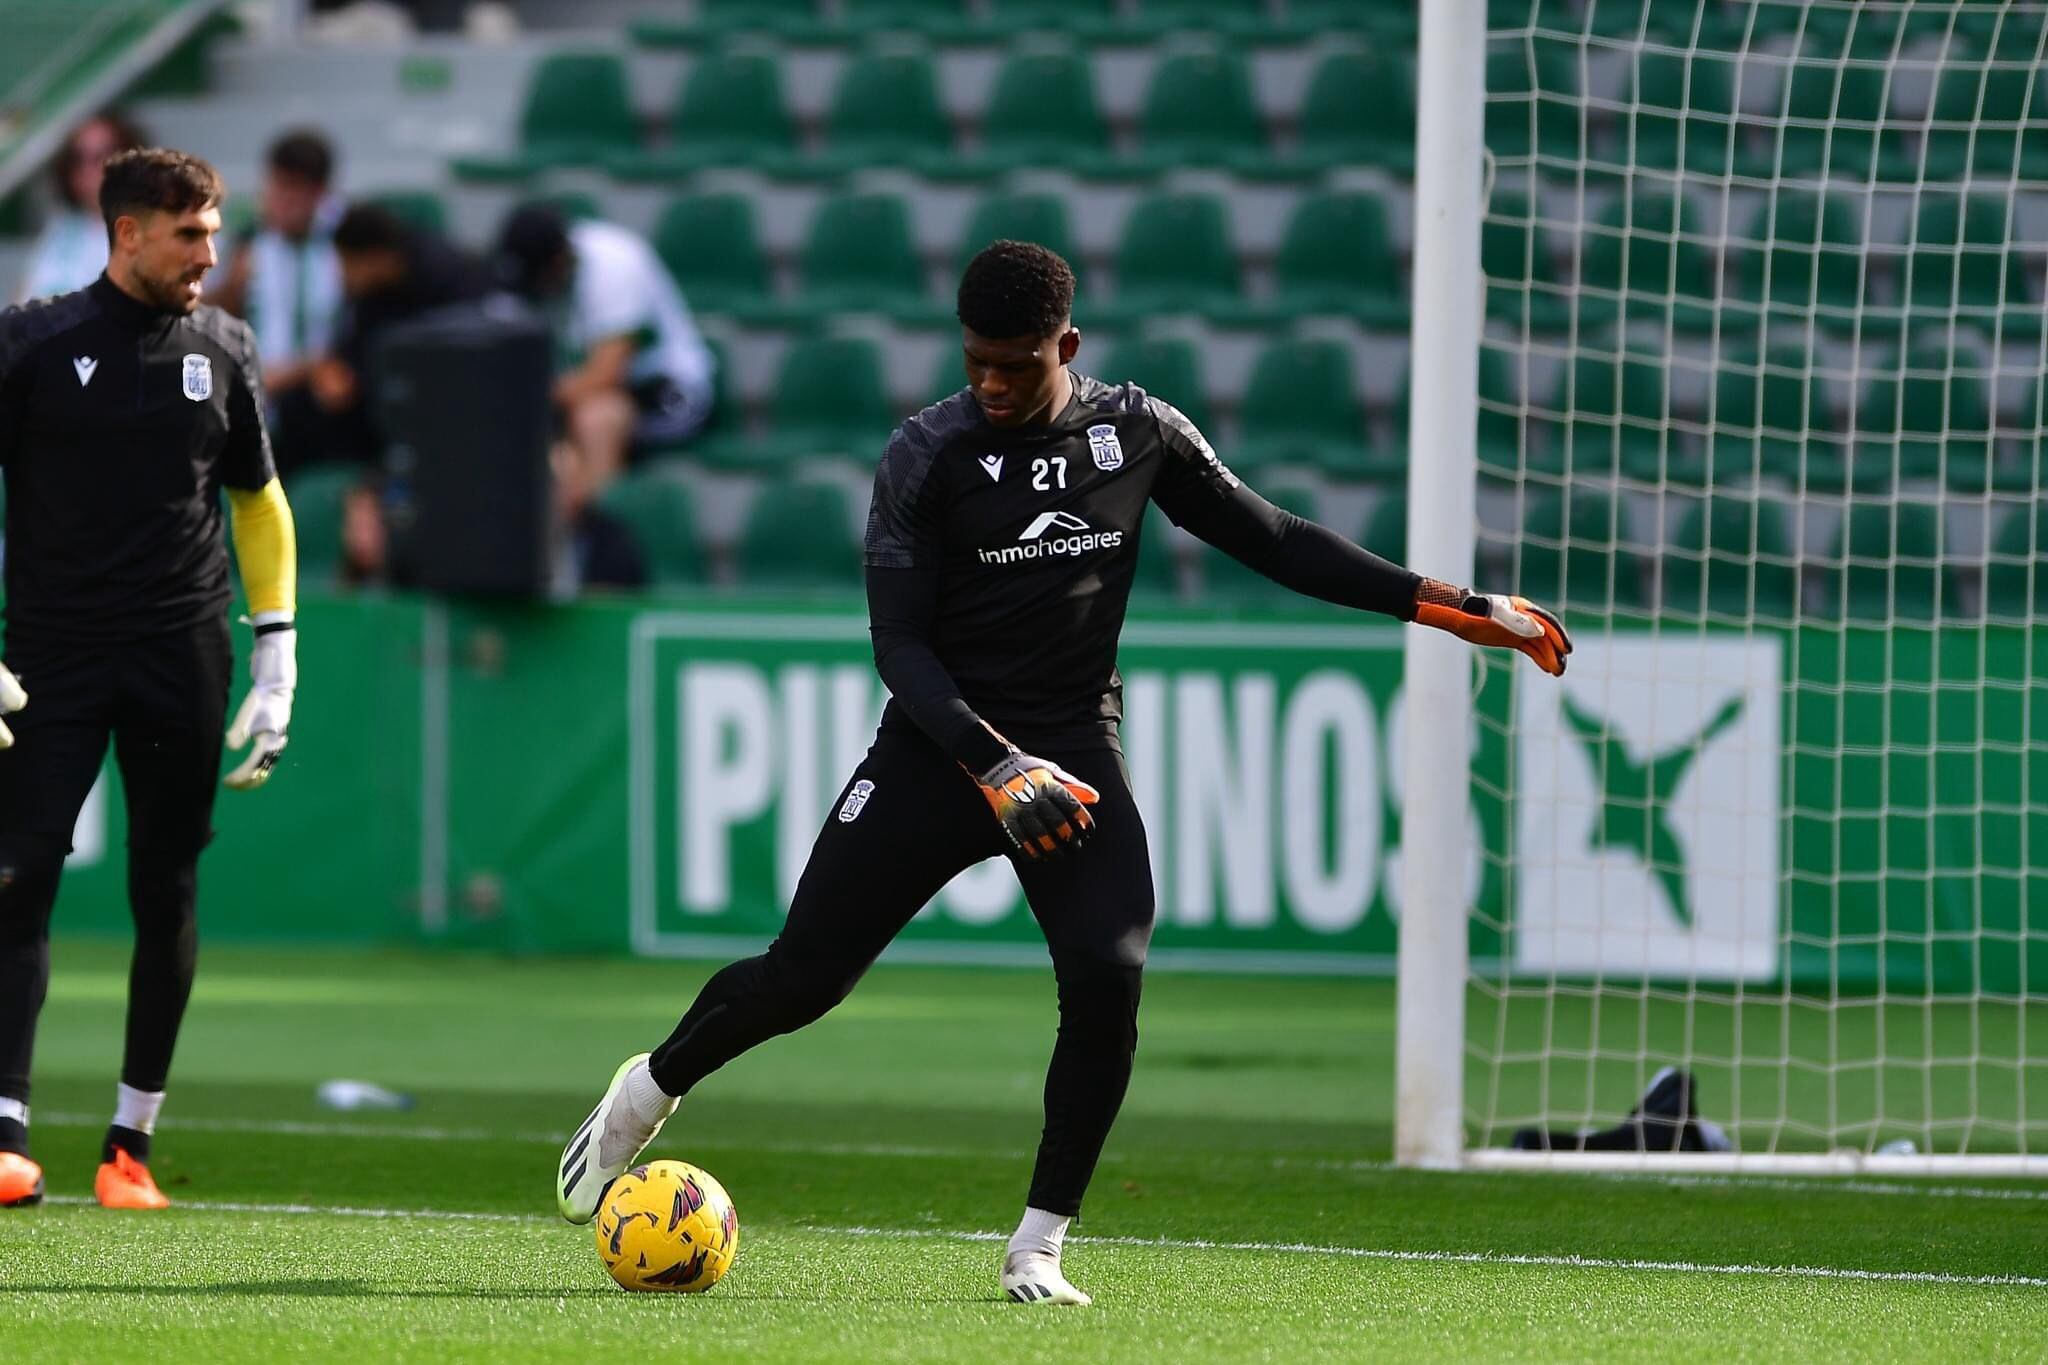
(391, 273)
(638, 373)
(71, 250)
(594, 549)
(286, 281)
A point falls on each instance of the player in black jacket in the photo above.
(1001, 546)
(125, 410)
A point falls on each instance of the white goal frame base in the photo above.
(1987, 1167)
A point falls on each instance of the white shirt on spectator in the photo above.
(623, 289)
(295, 290)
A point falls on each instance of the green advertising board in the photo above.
(1831, 807)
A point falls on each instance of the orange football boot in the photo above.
(124, 1183)
(21, 1181)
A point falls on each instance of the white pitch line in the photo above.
(300, 1128)
(1195, 1244)
(1810, 1272)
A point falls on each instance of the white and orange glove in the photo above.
(12, 698)
(265, 716)
(1494, 620)
(1041, 806)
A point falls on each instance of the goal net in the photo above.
(1759, 409)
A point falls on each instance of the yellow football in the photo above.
(667, 1225)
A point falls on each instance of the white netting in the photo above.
(1761, 409)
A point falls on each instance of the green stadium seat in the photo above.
(710, 246)
(1168, 368)
(1730, 558)
(860, 257)
(1611, 416)
(1644, 260)
(1337, 257)
(1975, 124)
(317, 494)
(1359, 110)
(2027, 472)
(1804, 257)
(1925, 418)
(1575, 553)
(1961, 262)
(1040, 218)
(1769, 411)
(423, 210)
(1825, 120)
(1301, 408)
(1176, 256)
(1533, 104)
(830, 399)
(1500, 416)
(577, 113)
(2016, 579)
(1081, 20)
(798, 534)
(1520, 265)
(1886, 567)
(1682, 113)
(1198, 111)
(717, 21)
(1043, 112)
(886, 111)
(941, 21)
(1670, 20)
(1386, 527)
(1227, 582)
(730, 113)
(656, 506)
(1233, 18)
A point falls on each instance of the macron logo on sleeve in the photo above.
(85, 365)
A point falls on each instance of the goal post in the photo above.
(1729, 344)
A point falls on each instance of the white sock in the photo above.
(14, 1109)
(650, 1102)
(137, 1109)
(1040, 1233)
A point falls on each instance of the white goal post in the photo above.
(1729, 343)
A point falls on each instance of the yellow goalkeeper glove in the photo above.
(1495, 620)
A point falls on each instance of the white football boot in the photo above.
(599, 1152)
(1034, 1277)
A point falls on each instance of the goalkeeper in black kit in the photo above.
(126, 410)
(1001, 545)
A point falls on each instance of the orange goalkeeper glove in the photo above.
(1496, 620)
(1042, 807)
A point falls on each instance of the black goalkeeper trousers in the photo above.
(905, 824)
(163, 702)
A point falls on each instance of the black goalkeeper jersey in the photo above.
(1000, 560)
(119, 426)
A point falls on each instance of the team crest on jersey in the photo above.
(1104, 446)
(856, 801)
(198, 378)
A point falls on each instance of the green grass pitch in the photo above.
(1242, 1213)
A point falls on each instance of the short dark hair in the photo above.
(1015, 289)
(370, 227)
(302, 153)
(158, 180)
(531, 244)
